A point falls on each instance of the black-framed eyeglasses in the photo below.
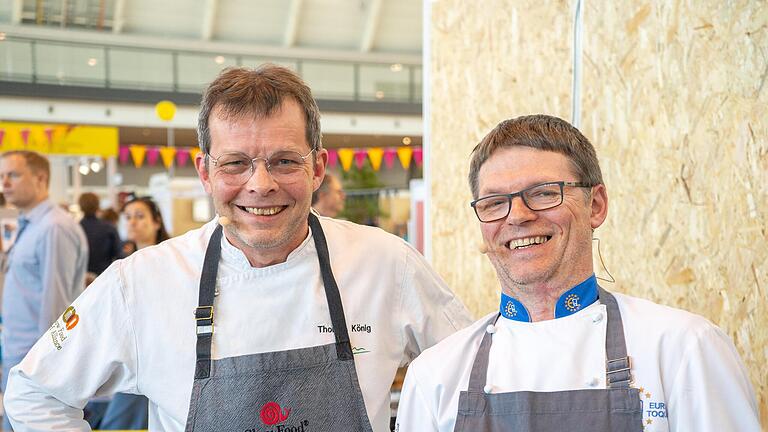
(537, 197)
(236, 168)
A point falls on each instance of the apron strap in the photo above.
(618, 373)
(204, 310)
(479, 374)
(617, 366)
(343, 345)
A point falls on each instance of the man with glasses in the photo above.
(268, 318)
(561, 353)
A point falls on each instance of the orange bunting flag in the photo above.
(137, 154)
(345, 156)
(167, 154)
(193, 153)
(404, 154)
(375, 154)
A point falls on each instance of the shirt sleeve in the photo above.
(59, 260)
(430, 310)
(414, 413)
(712, 391)
(89, 351)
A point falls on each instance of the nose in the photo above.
(519, 213)
(261, 180)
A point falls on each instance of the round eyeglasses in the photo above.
(542, 196)
(236, 168)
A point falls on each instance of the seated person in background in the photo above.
(556, 356)
(329, 198)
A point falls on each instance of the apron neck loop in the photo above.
(204, 310)
(340, 332)
(618, 372)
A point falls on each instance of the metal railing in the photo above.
(51, 62)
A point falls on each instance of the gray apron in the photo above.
(312, 389)
(616, 408)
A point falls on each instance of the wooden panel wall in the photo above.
(675, 100)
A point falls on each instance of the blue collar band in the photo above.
(572, 301)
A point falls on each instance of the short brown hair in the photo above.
(541, 132)
(36, 162)
(261, 92)
(89, 203)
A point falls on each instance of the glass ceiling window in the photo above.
(88, 14)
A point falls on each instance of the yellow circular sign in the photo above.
(165, 110)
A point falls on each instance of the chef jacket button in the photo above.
(491, 329)
(593, 382)
(597, 318)
(487, 389)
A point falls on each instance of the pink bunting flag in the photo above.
(418, 156)
(152, 155)
(182, 156)
(2, 136)
(49, 134)
(333, 158)
(122, 154)
(360, 156)
(25, 136)
(389, 157)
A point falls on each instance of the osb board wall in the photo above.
(675, 100)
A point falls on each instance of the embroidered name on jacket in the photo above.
(354, 328)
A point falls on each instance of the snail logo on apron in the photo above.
(272, 414)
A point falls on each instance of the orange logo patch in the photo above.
(70, 318)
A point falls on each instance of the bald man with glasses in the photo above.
(269, 317)
(562, 353)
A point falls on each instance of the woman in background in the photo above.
(145, 227)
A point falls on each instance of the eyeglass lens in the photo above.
(539, 197)
(237, 168)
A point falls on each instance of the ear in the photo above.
(203, 173)
(319, 168)
(599, 204)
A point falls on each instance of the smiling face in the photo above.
(548, 249)
(268, 219)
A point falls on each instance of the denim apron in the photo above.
(615, 408)
(313, 389)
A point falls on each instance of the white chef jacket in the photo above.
(689, 373)
(136, 328)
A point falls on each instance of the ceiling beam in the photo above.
(371, 24)
(118, 18)
(292, 25)
(209, 19)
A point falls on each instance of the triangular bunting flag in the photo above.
(122, 155)
(375, 154)
(404, 154)
(418, 156)
(25, 136)
(167, 153)
(389, 157)
(49, 134)
(345, 157)
(333, 158)
(182, 156)
(137, 154)
(152, 154)
(2, 136)
(360, 156)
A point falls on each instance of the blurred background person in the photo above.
(47, 263)
(104, 243)
(145, 227)
(329, 198)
